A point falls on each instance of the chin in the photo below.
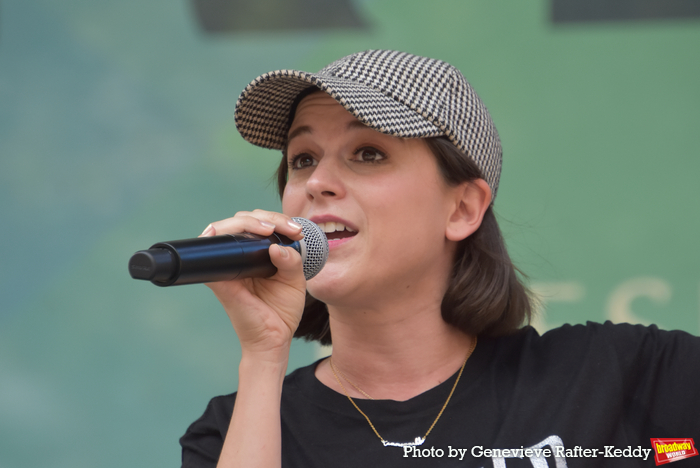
(327, 286)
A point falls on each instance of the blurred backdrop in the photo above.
(116, 132)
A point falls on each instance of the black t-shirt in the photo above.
(593, 395)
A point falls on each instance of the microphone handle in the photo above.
(208, 259)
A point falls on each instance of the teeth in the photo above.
(331, 226)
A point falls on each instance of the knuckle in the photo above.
(279, 218)
(260, 213)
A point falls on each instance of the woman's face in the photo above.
(380, 199)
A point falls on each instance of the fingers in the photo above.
(256, 222)
(265, 312)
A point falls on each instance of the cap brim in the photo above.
(263, 108)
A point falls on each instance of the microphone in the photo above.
(225, 257)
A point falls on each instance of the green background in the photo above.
(116, 132)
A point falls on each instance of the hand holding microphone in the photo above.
(266, 308)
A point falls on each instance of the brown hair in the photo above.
(485, 295)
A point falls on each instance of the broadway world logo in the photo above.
(670, 450)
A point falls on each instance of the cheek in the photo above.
(418, 196)
(403, 211)
(293, 199)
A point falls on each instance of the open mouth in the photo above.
(335, 230)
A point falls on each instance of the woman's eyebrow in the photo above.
(298, 131)
(352, 125)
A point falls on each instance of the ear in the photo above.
(472, 199)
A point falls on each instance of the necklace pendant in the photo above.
(417, 441)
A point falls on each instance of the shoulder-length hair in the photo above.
(485, 296)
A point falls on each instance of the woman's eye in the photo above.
(369, 154)
(301, 161)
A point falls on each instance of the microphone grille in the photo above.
(316, 247)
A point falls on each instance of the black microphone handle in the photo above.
(208, 259)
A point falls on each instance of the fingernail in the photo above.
(294, 224)
(283, 251)
(267, 224)
(208, 231)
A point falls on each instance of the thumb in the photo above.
(289, 265)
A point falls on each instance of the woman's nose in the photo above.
(325, 181)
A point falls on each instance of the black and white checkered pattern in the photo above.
(393, 92)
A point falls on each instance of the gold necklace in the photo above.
(417, 440)
(347, 380)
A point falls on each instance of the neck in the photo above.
(393, 353)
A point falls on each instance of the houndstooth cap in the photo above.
(392, 92)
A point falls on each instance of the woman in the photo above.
(397, 159)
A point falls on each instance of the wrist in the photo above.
(268, 362)
(256, 373)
